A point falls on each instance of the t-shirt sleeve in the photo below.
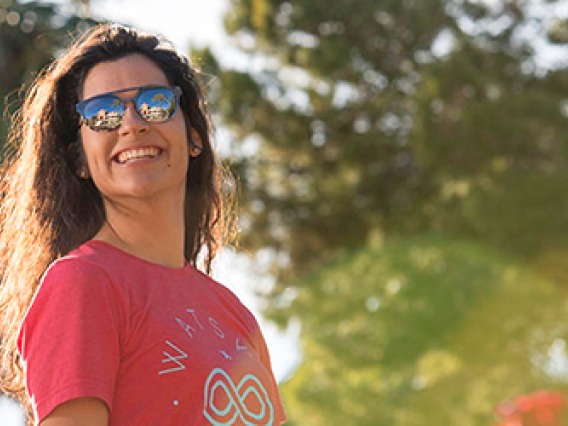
(70, 338)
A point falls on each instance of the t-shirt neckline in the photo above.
(131, 256)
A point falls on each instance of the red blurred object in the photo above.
(541, 408)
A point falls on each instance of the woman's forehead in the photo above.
(134, 70)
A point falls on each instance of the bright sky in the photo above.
(184, 22)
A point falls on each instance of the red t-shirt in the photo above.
(159, 345)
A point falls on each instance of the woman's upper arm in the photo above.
(78, 412)
(70, 339)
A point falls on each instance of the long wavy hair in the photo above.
(47, 210)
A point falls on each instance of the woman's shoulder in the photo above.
(84, 261)
(88, 268)
(74, 283)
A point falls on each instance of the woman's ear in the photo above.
(195, 143)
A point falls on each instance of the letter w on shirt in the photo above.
(175, 359)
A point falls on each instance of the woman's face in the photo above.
(139, 159)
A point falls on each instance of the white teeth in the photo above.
(134, 154)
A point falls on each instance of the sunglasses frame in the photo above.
(81, 105)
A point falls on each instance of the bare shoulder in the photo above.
(80, 411)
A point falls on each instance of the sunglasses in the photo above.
(154, 104)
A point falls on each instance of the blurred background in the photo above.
(403, 188)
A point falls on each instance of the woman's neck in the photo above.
(151, 233)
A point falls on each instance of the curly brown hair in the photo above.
(47, 210)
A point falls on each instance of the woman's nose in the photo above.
(131, 122)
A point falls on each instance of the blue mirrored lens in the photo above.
(103, 112)
(156, 104)
(153, 104)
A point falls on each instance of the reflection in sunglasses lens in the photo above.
(104, 112)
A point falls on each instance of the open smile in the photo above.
(137, 154)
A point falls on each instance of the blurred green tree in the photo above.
(327, 94)
(31, 33)
(394, 117)
(424, 331)
(491, 131)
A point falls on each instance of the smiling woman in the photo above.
(106, 302)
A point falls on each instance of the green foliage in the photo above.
(322, 106)
(423, 331)
(31, 33)
(494, 143)
(363, 126)
(522, 212)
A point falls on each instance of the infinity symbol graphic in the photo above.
(225, 403)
